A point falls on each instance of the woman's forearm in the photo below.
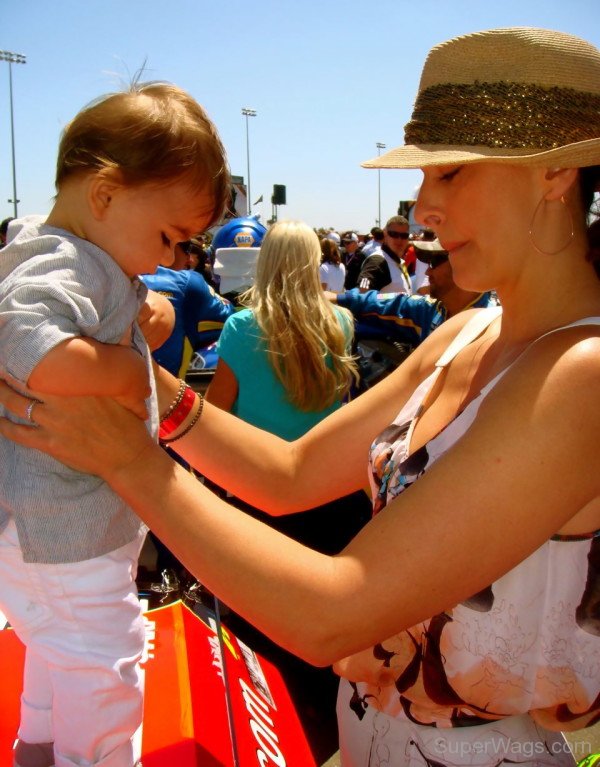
(263, 469)
(270, 579)
(254, 465)
(328, 462)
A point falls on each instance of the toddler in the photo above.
(137, 172)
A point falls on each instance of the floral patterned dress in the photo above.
(493, 680)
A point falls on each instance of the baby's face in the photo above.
(143, 224)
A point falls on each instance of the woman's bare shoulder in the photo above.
(551, 395)
(571, 356)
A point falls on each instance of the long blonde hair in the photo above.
(307, 345)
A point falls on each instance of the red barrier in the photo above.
(189, 719)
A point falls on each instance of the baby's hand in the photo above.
(126, 339)
(156, 319)
(135, 385)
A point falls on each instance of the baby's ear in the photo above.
(102, 186)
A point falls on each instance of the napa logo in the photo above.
(244, 240)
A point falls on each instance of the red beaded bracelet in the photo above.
(179, 413)
(176, 401)
(190, 425)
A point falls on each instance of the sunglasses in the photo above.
(397, 235)
(436, 261)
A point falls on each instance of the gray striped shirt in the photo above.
(55, 286)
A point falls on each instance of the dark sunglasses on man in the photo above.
(434, 261)
(397, 235)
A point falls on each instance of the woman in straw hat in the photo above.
(463, 618)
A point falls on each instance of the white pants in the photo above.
(83, 629)
(379, 740)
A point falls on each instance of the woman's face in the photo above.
(481, 213)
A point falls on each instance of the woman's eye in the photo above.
(165, 240)
(450, 174)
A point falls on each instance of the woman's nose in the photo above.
(426, 211)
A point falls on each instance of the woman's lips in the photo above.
(452, 247)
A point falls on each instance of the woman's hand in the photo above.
(95, 435)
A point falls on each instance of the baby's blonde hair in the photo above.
(151, 133)
(307, 345)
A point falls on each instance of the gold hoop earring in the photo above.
(533, 223)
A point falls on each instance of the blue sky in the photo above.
(327, 78)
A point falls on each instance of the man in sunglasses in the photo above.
(385, 270)
(410, 319)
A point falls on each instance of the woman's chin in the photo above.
(472, 283)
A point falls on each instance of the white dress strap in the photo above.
(578, 323)
(469, 333)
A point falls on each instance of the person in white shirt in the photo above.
(332, 271)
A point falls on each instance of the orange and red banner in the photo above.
(192, 718)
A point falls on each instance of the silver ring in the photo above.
(29, 411)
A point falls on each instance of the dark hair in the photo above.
(330, 252)
(377, 233)
(152, 133)
(589, 185)
(594, 245)
(4, 225)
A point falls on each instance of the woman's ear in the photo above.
(102, 186)
(560, 181)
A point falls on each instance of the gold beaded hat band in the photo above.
(517, 95)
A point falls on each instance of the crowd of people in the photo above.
(381, 260)
(461, 618)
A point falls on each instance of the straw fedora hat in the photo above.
(518, 95)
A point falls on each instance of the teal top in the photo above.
(262, 399)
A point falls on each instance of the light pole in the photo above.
(247, 112)
(379, 146)
(12, 58)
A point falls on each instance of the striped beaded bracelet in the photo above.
(176, 401)
(178, 413)
(190, 425)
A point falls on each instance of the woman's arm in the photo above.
(326, 463)
(477, 512)
(223, 388)
(282, 477)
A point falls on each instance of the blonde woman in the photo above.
(284, 361)
(284, 364)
